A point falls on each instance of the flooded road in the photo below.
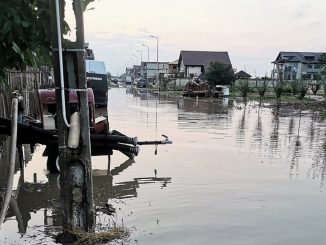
(234, 175)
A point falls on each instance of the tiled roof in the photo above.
(203, 58)
(303, 57)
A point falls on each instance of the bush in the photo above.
(315, 86)
(278, 89)
(244, 88)
(261, 87)
(287, 88)
(303, 88)
(295, 87)
(324, 85)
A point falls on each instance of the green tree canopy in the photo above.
(24, 34)
(322, 61)
(220, 74)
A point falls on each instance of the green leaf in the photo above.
(25, 24)
(16, 48)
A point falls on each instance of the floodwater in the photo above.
(234, 175)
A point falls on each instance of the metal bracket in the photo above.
(77, 89)
(69, 50)
(73, 89)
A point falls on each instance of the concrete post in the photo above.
(76, 187)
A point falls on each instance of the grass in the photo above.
(116, 233)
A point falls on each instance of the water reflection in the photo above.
(248, 159)
(242, 126)
(103, 183)
(258, 131)
(274, 136)
(39, 196)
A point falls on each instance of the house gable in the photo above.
(192, 61)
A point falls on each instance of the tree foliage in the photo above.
(322, 61)
(220, 74)
(24, 34)
(244, 88)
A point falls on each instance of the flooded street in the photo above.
(234, 175)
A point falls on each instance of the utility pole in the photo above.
(76, 187)
(158, 70)
(145, 45)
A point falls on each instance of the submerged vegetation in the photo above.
(116, 233)
(244, 88)
(287, 93)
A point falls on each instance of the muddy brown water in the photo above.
(235, 174)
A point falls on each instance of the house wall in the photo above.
(173, 68)
(299, 71)
(182, 67)
(152, 69)
(195, 70)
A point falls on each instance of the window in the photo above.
(309, 57)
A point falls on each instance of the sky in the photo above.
(252, 31)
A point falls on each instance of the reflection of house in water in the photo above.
(218, 107)
(34, 197)
(192, 113)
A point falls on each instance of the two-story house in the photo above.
(194, 63)
(297, 65)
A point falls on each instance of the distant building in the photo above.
(149, 69)
(173, 67)
(194, 63)
(136, 71)
(297, 65)
(242, 75)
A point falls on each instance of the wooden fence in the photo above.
(27, 83)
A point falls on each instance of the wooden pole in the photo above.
(75, 164)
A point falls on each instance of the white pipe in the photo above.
(12, 159)
(74, 131)
(63, 102)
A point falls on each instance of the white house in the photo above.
(194, 63)
(297, 65)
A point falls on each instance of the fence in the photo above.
(27, 83)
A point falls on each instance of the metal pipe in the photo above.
(109, 138)
(62, 86)
(74, 131)
(12, 159)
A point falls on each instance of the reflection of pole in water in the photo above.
(242, 126)
(109, 165)
(14, 207)
(257, 136)
(296, 150)
(275, 132)
(312, 128)
(299, 123)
